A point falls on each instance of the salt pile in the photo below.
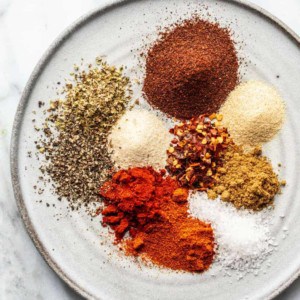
(243, 238)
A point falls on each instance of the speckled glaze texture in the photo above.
(74, 252)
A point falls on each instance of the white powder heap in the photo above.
(253, 113)
(243, 238)
(139, 139)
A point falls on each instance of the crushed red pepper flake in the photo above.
(197, 151)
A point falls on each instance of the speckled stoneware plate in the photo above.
(72, 245)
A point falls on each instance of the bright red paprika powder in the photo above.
(154, 210)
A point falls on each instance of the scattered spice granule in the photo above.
(197, 151)
(76, 131)
(246, 180)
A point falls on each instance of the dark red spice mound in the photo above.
(191, 69)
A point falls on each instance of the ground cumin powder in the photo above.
(191, 69)
(246, 180)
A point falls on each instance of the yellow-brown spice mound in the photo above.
(246, 180)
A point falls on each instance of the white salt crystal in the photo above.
(243, 238)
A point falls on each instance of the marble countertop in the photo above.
(26, 30)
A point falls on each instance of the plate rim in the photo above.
(15, 134)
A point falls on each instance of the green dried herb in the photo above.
(78, 160)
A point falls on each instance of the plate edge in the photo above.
(101, 9)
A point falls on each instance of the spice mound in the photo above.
(191, 69)
(246, 180)
(139, 139)
(253, 113)
(153, 210)
(197, 151)
(243, 238)
(76, 129)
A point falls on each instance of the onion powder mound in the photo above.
(139, 139)
(253, 113)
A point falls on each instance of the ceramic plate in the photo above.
(72, 244)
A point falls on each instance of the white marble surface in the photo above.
(26, 30)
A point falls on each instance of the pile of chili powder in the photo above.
(197, 151)
(191, 69)
(153, 210)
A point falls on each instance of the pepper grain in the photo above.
(76, 131)
(197, 151)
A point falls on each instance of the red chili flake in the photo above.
(197, 151)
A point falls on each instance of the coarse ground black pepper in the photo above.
(76, 130)
(191, 69)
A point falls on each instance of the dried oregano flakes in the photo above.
(76, 130)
